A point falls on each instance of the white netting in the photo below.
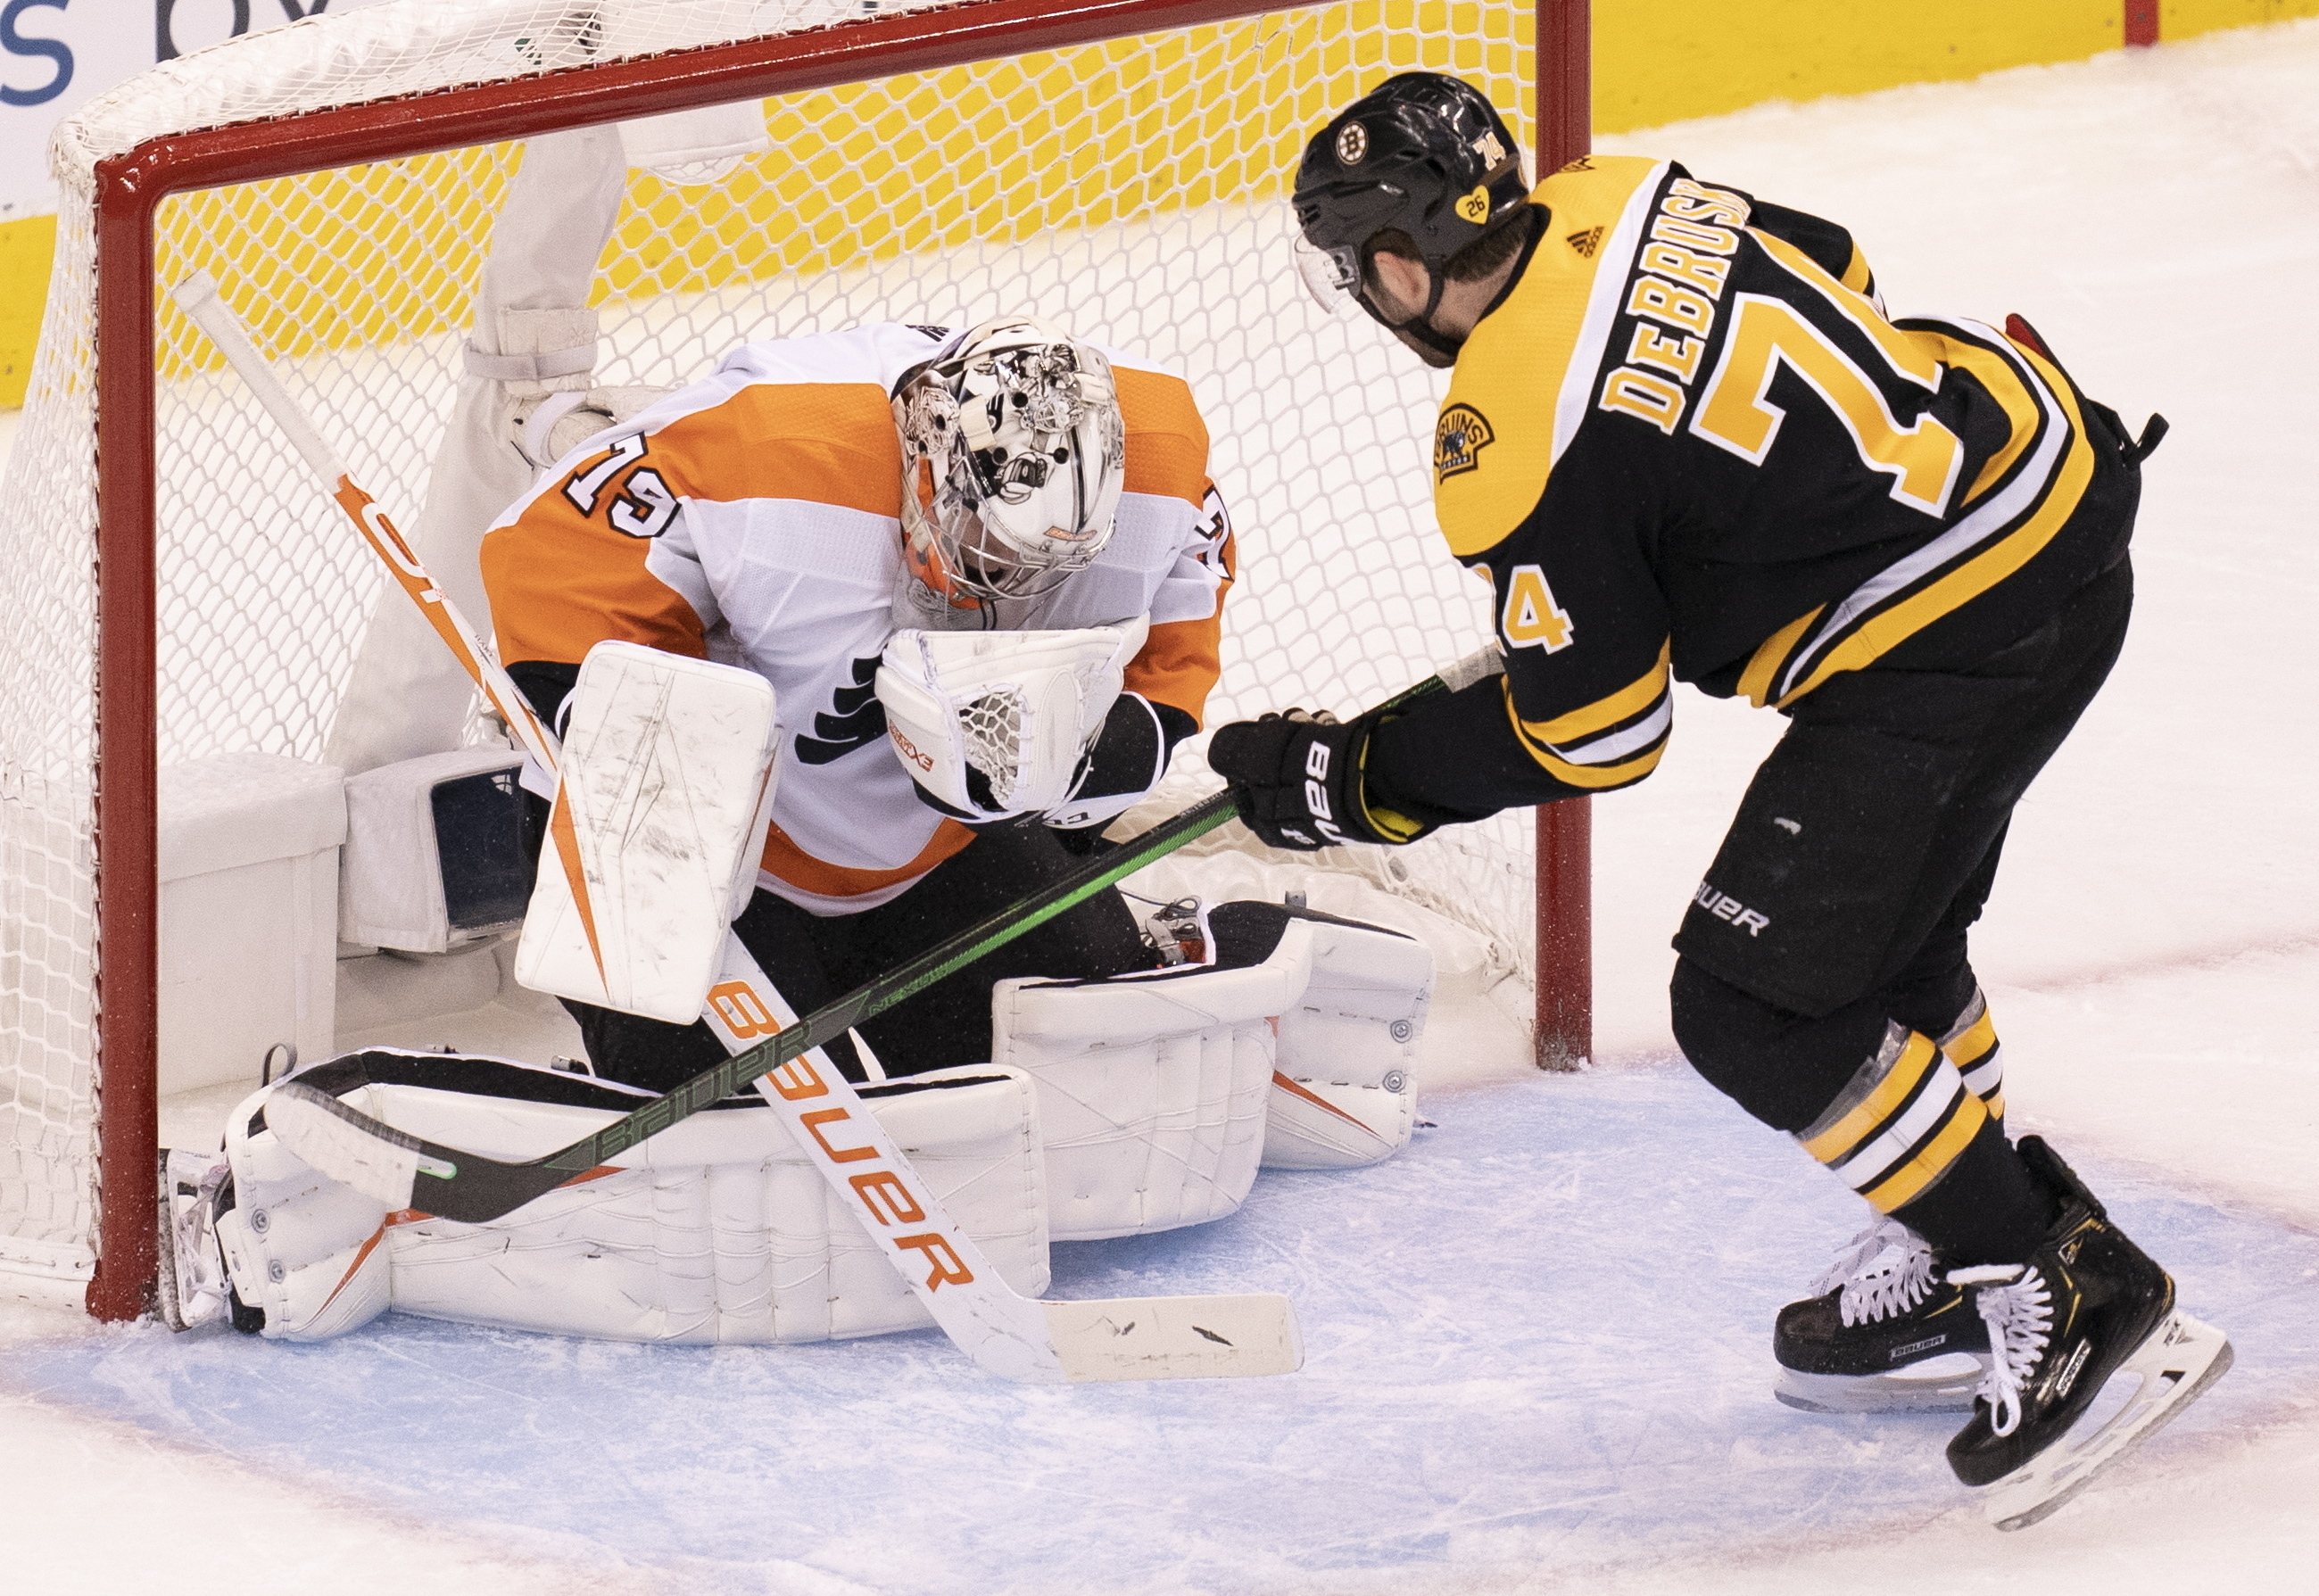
(1132, 192)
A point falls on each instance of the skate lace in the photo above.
(2018, 1308)
(1884, 1270)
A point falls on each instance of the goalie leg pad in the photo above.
(1344, 1090)
(1151, 1088)
(717, 1229)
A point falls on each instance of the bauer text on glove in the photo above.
(1296, 779)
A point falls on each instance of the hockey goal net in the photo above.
(179, 588)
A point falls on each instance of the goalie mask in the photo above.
(1014, 456)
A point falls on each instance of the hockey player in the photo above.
(759, 517)
(1684, 441)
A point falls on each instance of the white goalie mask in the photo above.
(1013, 454)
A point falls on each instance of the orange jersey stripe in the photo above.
(1167, 441)
(829, 443)
(1181, 660)
(561, 582)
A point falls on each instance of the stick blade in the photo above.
(1177, 1338)
(380, 1163)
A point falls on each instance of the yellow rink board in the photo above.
(997, 153)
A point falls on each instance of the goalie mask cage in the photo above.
(179, 587)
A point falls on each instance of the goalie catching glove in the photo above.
(994, 725)
(1296, 779)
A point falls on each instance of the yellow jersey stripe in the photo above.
(1909, 1180)
(1628, 701)
(2005, 385)
(1542, 360)
(1764, 664)
(1977, 575)
(1856, 275)
(1593, 778)
(1874, 1109)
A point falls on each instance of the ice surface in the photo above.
(1538, 1343)
(1540, 1339)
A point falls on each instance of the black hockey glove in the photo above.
(1296, 779)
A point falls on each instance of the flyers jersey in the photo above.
(1688, 442)
(753, 518)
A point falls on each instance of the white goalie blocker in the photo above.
(662, 804)
(1021, 707)
(718, 1229)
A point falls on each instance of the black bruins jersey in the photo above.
(1687, 442)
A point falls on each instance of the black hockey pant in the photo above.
(1827, 945)
(814, 958)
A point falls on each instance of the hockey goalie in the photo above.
(861, 639)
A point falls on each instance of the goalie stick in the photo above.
(1003, 1332)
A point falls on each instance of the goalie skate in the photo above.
(192, 1288)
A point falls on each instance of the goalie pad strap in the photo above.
(1344, 1093)
(531, 368)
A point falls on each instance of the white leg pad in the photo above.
(1152, 1088)
(716, 1230)
(1344, 1090)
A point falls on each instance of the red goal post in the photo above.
(131, 188)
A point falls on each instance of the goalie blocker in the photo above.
(1116, 1108)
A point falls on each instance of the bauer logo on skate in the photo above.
(1458, 439)
(1723, 907)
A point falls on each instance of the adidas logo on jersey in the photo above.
(1586, 242)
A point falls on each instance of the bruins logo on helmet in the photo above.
(1352, 144)
(1458, 439)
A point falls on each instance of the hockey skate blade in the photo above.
(1175, 1337)
(315, 1127)
(1947, 1390)
(2174, 1366)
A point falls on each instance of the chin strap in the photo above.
(1420, 325)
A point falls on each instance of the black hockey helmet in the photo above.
(1420, 154)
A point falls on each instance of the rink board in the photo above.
(1540, 1338)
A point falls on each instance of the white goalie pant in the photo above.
(717, 1229)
